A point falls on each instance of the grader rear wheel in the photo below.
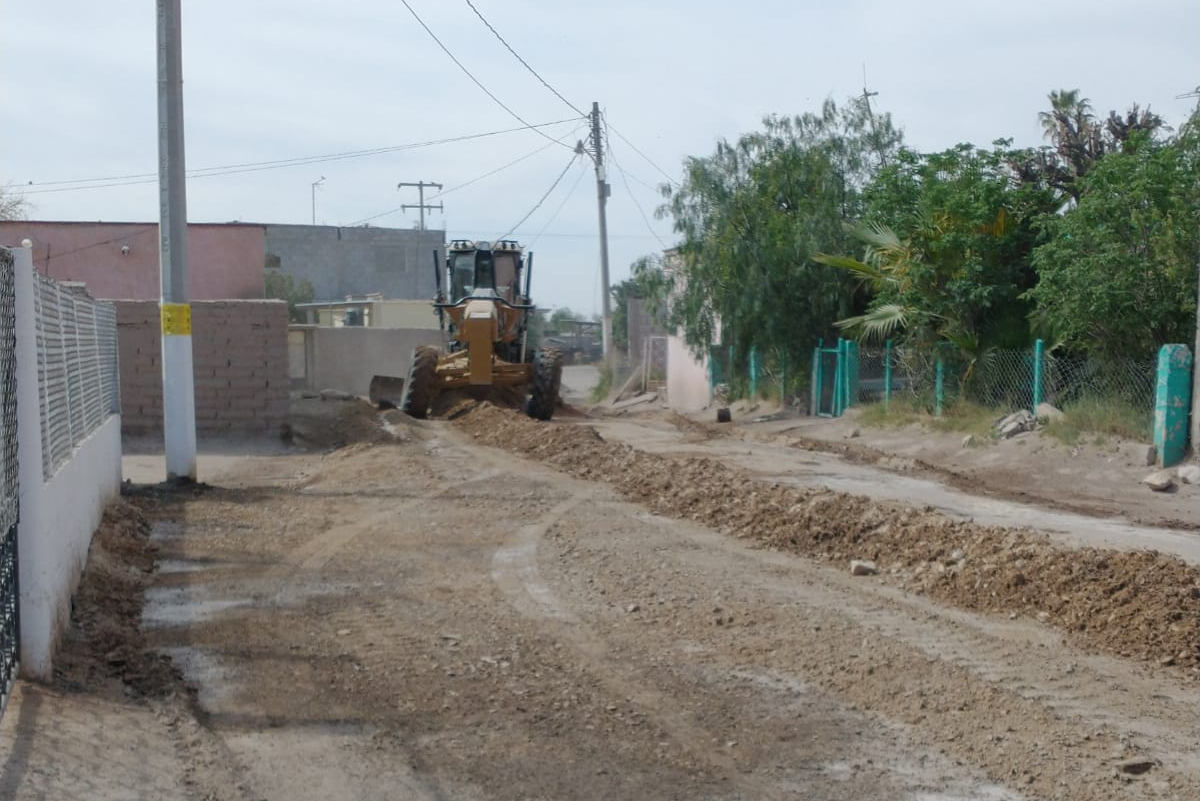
(421, 385)
(547, 378)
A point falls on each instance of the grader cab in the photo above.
(485, 311)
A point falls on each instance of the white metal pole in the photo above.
(179, 400)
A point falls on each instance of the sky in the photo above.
(274, 80)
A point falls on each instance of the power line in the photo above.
(524, 63)
(476, 179)
(570, 194)
(259, 166)
(649, 160)
(467, 72)
(538, 205)
(613, 157)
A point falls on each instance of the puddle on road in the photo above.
(177, 606)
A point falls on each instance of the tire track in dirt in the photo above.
(515, 571)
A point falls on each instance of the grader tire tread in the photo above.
(421, 384)
(547, 379)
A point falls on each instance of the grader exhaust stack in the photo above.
(486, 316)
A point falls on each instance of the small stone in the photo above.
(632, 608)
(1043, 616)
(1136, 767)
(862, 567)
(969, 441)
(1167, 661)
(958, 555)
(1049, 413)
(1189, 474)
(853, 433)
(1160, 481)
(343, 632)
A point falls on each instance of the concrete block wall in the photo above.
(240, 360)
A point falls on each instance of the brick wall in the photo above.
(239, 352)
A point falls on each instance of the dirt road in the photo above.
(435, 618)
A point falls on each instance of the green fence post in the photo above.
(712, 375)
(839, 376)
(1039, 356)
(939, 386)
(814, 407)
(753, 373)
(1172, 401)
(887, 374)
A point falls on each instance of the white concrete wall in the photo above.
(58, 516)
(687, 378)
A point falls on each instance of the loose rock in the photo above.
(1136, 767)
(1189, 474)
(1049, 413)
(862, 567)
(969, 441)
(1160, 481)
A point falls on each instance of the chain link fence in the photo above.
(77, 368)
(1101, 394)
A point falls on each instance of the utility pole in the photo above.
(314, 185)
(1195, 422)
(179, 397)
(603, 190)
(421, 204)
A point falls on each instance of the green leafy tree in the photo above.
(948, 242)
(281, 286)
(1118, 271)
(749, 217)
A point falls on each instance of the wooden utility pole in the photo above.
(421, 204)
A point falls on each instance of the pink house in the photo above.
(120, 260)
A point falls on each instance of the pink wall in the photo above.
(225, 261)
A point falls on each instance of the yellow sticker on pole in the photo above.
(177, 319)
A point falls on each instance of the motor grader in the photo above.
(485, 311)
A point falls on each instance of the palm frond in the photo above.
(867, 272)
(879, 323)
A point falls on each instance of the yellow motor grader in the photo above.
(485, 311)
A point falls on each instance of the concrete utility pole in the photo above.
(179, 398)
(1196, 379)
(603, 190)
(420, 204)
(314, 186)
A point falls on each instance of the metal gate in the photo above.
(834, 378)
(9, 624)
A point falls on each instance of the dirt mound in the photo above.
(319, 423)
(104, 647)
(1142, 605)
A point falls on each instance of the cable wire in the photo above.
(612, 155)
(570, 194)
(524, 63)
(671, 181)
(465, 184)
(467, 72)
(300, 161)
(538, 205)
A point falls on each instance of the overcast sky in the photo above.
(279, 79)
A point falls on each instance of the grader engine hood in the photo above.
(480, 324)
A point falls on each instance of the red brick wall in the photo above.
(239, 353)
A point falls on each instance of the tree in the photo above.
(949, 238)
(750, 216)
(13, 206)
(1117, 273)
(1079, 140)
(281, 286)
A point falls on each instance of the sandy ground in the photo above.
(425, 615)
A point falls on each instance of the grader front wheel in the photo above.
(547, 378)
(421, 385)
